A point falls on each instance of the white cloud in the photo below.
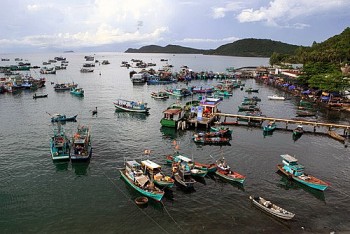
(220, 12)
(279, 12)
(33, 7)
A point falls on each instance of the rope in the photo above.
(133, 203)
(166, 210)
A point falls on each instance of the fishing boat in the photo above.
(248, 108)
(270, 127)
(221, 131)
(159, 95)
(276, 97)
(298, 131)
(186, 164)
(182, 175)
(59, 144)
(133, 176)
(64, 86)
(156, 175)
(77, 91)
(305, 113)
(224, 171)
(254, 98)
(63, 118)
(251, 90)
(211, 140)
(173, 115)
(336, 136)
(40, 96)
(209, 167)
(81, 145)
(295, 171)
(271, 208)
(131, 106)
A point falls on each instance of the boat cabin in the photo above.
(290, 164)
(135, 173)
(151, 167)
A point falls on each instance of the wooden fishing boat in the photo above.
(211, 140)
(173, 115)
(40, 96)
(182, 176)
(159, 95)
(270, 127)
(224, 171)
(254, 98)
(81, 145)
(131, 106)
(221, 131)
(59, 144)
(305, 113)
(156, 174)
(251, 90)
(134, 177)
(336, 136)
(63, 118)
(64, 86)
(141, 201)
(270, 208)
(210, 168)
(295, 171)
(77, 91)
(248, 108)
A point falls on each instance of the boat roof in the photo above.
(132, 163)
(184, 158)
(172, 111)
(289, 158)
(150, 164)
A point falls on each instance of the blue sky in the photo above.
(116, 25)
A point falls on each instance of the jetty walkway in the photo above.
(315, 124)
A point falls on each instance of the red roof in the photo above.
(172, 111)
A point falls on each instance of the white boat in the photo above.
(271, 208)
(275, 97)
(131, 106)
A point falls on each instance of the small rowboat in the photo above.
(40, 96)
(141, 200)
(271, 208)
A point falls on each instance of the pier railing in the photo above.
(315, 124)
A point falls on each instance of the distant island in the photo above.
(244, 48)
(68, 51)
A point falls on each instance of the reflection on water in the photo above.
(266, 133)
(131, 115)
(291, 184)
(61, 166)
(80, 168)
(171, 133)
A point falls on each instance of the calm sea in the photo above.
(39, 196)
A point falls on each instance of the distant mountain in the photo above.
(169, 49)
(255, 48)
(245, 48)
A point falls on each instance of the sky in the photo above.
(116, 25)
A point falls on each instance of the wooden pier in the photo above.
(315, 124)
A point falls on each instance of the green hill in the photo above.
(169, 49)
(245, 47)
(255, 48)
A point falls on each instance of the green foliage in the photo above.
(324, 76)
(255, 48)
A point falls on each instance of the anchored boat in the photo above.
(81, 145)
(131, 106)
(270, 208)
(295, 171)
(59, 144)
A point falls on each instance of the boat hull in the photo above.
(155, 196)
(81, 158)
(278, 212)
(120, 108)
(233, 176)
(56, 155)
(319, 186)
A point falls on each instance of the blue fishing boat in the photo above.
(59, 144)
(62, 118)
(295, 171)
(77, 91)
(134, 176)
(81, 145)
